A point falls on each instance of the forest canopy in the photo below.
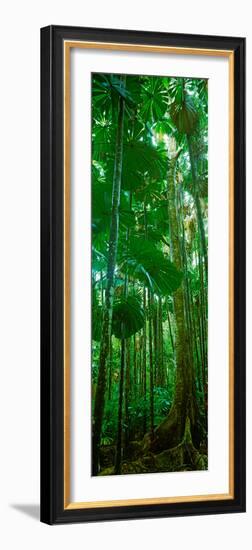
(149, 273)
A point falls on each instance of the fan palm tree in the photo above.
(118, 88)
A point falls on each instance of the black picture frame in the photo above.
(52, 302)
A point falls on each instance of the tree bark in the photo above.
(151, 368)
(127, 396)
(144, 361)
(120, 411)
(171, 431)
(197, 204)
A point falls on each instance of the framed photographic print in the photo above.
(142, 274)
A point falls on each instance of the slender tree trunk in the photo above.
(199, 376)
(120, 411)
(127, 397)
(144, 361)
(141, 370)
(151, 368)
(155, 341)
(102, 296)
(124, 345)
(135, 367)
(109, 296)
(110, 367)
(161, 376)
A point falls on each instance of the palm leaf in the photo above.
(146, 263)
(128, 317)
(141, 159)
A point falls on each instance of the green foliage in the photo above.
(154, 96)
(184, 115)
(128, 317)
(138, 411)
(106, 90)
(188, 104)
(146, 263)
(159, 115)
(141, 160)
(163, 402)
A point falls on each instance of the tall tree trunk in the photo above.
(120, 411)
(161, 375)
(151, 373)
(110, 367)
(171, 431)
(119, 448)
(135, 366)
(155, 340)
(102, 296)
(109, 296)
(127, 396)
(151, 368)
(197, 204)
(144, 362)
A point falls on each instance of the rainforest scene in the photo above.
(149, 274)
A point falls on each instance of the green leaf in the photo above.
(99, 260)
(141, 160)
(128, 317)
(183, 109)
(154, 98)
(146, 263)
(184, 115)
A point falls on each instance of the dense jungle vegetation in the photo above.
(149, 274)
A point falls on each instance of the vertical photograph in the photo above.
(149, 274)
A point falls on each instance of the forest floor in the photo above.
(139, 458)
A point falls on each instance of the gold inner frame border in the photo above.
(68, 45)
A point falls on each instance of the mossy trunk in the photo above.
(171, 431)
(197, 204)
